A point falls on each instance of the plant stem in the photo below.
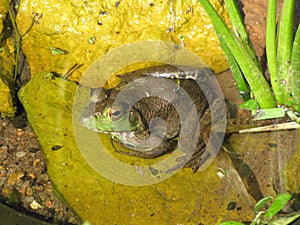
(271, 47)
(284, 51)
(249, 67)
(240, 28)
(17, 40)
(241, 83)
(295, 70)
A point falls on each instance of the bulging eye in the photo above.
(116, 112)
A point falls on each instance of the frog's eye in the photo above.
(115, 113)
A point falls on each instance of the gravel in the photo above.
(24, 182)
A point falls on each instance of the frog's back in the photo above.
(153, 107)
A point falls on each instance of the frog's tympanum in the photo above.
(148, 125)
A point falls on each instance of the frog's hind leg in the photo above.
(183, 72)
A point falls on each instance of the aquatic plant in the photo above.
(283, 56)
(269, 216)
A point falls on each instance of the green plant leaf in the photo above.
(251, 70)
(295, 70)
(284, 50)
(250, 105)
(18, 39)
(280, 201)
(58, 51)
(271, 46)
(231, 223)
(86, 223)
(261, 203)
(238, 76)
(264, 114)
(240, 28)
(257, 219)
(284, 220)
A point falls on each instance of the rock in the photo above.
(98, 197)
(66, 33)
(6, 99)
(7, 62)
(291, 171)
(20, 154)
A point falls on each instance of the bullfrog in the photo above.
(150, 108)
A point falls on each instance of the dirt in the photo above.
(24, 182)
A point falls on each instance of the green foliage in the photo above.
(277, 205)
(86, 223)
(283, 55)
(264, 114)
(250, 104)
(17, 37)
(231, 223)
(262, 203)
(269, 216)
(241, 54)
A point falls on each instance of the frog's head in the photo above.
(108, 117)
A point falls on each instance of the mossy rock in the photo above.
(7, 61)
(184, 198)
(86, 31)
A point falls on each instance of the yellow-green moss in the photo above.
(185, 198)
(69, 25)
(7, 62)
(6, 100)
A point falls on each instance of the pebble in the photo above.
(4, 148)
(36, 162)
(22, 170)
(29, 191)
(35, 205)
(19, 132)
(34, 150)
(29, 199)
(20, 154)
(43, 178)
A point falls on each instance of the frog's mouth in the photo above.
(99, 123)
(88, 122)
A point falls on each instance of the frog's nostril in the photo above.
(97, 114)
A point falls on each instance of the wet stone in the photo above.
(33, 150)
(21, 163)
(29, 199)
(4, 148)
(29, 191)
(43, 178)
(20, 154)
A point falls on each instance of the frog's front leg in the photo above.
(148, 153)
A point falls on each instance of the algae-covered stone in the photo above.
(7, 62)
(82, 31)
(3, 11)
(263, 158)
(7, 92)
(184, 198)
(6, 100)
(291, 173)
